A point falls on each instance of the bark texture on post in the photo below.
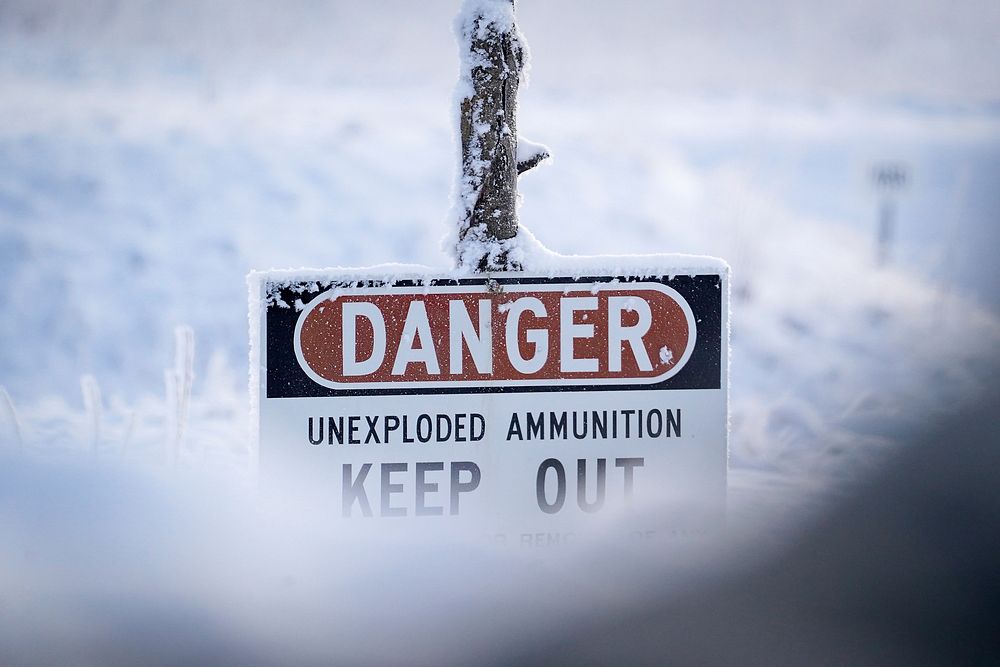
(493, 59)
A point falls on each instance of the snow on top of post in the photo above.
(481, 16)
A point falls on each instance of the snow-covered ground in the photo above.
(152, 154)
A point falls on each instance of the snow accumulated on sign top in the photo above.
(524, 403)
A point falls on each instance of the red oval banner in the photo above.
(606, 333)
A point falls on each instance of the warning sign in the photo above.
(523, 403)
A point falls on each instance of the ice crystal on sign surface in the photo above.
(666, 355)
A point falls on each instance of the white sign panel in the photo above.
(529, 406)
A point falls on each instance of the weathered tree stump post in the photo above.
(493, 58)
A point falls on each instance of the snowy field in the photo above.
(152, 154)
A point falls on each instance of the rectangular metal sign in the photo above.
(527, 405)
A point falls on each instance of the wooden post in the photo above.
(493, 59)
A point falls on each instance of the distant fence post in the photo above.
(889, 179)
(492, 60)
